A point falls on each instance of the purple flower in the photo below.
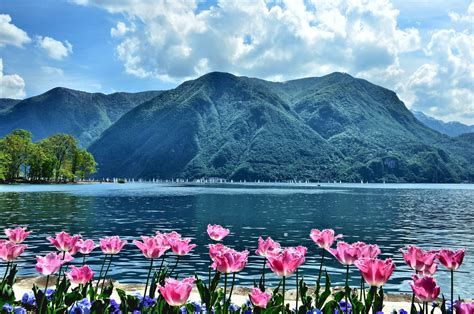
(114, 307)
(19, 310)
(7, 308)
(234, 308)
(81, 307)
(28, 298)
(402, 311)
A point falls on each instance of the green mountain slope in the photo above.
(61, 110)
(331, 128)
(452, 128)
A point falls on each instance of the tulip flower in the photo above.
(267, 247)
(173, 235)
(464, 307)
(17, 235)
(376, 272)
(151, 247)
(175, 292)
(227, 260)
(180, 246)
(80, 275)
(324, 238)
(286, 263)
(217, 232)
(367, 250)
(48, 264)
(112, 245)
(451, 260)
(64, 242)
(259, 298)
(418, 259)
(345, 253)
(425, 288)
(85, 246)
(9, 251)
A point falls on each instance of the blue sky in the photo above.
(423, 50)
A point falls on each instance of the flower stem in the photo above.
(174, 267)
(6, 273)
(347, 288)
(321, 267)
(44, 295)
(83, 259)
(232, 288)
(100, 274)
(225, 289)
(148, 278)
(297, 294)
(106, 272)
(263, 271)
(452, 291)
(283, 305)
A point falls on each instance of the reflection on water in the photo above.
(432, 216)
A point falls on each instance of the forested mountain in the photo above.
(334, 127)
(61, 110)
(452, 128)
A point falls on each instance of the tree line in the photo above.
(56, 158)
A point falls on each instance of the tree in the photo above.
(41, 165)
(61, 147)
(4, 161)
(16, 146)
(83, 164)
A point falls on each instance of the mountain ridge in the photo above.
(451, 128)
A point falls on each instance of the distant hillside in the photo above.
(61, 110)
(7, 103)
(334, 127)
(452, 128)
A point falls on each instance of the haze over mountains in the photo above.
(334, 127)
(452, 128)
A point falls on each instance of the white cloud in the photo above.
(54, 48)
(172, 40)
(10, 34)
(52, 71)
(12, 85)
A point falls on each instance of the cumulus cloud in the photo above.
(54, 48)
(12, 85)
(173, 40)
(11, 34)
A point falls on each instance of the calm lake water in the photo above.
(431, 216)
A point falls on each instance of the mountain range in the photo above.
(334, 127)
(451, 128)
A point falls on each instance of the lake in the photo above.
(390, 215)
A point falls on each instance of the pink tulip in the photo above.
(418, 259)
(425, 288)
(287, 261)
(85, 246)
(80, 275)
(112, 245)
(376, 272)
(181, 247)
(324, 238)
(367, 250)
(227, 260)
(9, 251)
(151, 247)
(267, 247)
(175, 292)
(429, 270)
(217, 232)
(17, 235)
(64, 242)
(66, 257)
(259, 298)
(464, 307)
(173, 235)
(345, 253)
(48, 264)
(451, 259)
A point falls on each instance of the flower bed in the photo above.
(78, 289)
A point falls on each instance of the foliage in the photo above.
(57, 157)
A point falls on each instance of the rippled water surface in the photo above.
(431, 216)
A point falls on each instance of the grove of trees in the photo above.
(56, 158)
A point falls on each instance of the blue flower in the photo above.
(28, 298)
(19, 310)
(148, 302)
(7, 308)
(314, 311)
(197, 307)
(49, 293)
(114, 307)
(81, 307)
(234, 308)
(402, 311)
(183, 310)
(342, 304)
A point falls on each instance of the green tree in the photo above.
(4, 161)
(16, 146)
(83, 164)
(41, 165)
(61, 147)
